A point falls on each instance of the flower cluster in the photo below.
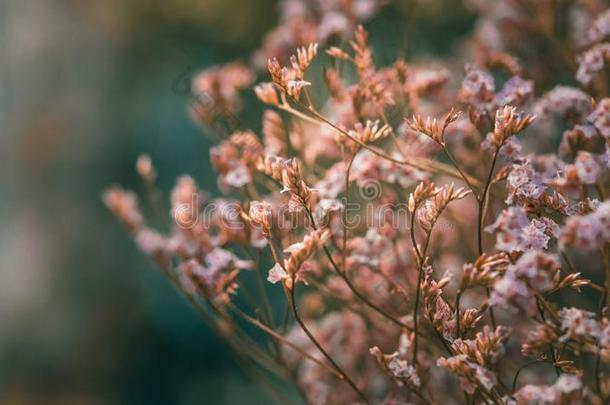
(428, 234)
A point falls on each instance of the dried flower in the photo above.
(266, 93)
(508, 123)
(370, 131)
(431, 128)
(402, 372)
(588, 232)
(124, 205)
(260, 215)
(145, 168)
(591, 62)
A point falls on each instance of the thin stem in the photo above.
(457, 312)
(573, 270)
(483, 202)
(475, 192)
(551, 348)
(418, 287)
(418, 163)
(481, 214)
(281, 338)
(344, 216)
(352, 288)
(521, 368)
(345, 377)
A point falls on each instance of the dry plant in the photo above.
(434, 243)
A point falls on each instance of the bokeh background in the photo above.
(85, 87)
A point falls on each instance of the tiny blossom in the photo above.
(588, 232)
(524, 184)
(600, 117)
(400, 369)
(591, 62)
(277, 273)
(532, 273)
(478, 88)
(124, 204)
(471, 374)
(567, 389)
(333, 183)
(509, 226)
(600, 27)
(564, 101)
(577, 324)
(150, 241)
(515, 92)
(325, 207)
(587, 167)
(511, 149)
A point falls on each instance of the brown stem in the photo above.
(344, 216)
(551, 348)
(418, 163)
(457, 312)
(481, 214)
(349, 284)
(281, 338)
(475, 192)
(418, 287)
(344, 376)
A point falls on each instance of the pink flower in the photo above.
(515, 92)
(478, 88)
(600, 27)
(591, 62)
(524, 184)
(587, 167)
(600, 117)
(277, 273)
(578, 324)
(588, 232)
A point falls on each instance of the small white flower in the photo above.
(277, 273)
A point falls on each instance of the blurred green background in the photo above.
(85, 87)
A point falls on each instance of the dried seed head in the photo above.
(538, 340)
(271, 166)
(305, 55)
(484, 271)
(289, 80)
(274, 134)
(363, 57)
(145, 168)
(334, 83)
(431, 127)
(398, 368)
(292, 179)
(486, 347)
(124, 205)
(423, 191)
(287, 271)
(434, 206)
(294, 87)
(508, 123)
(469, 319)
(370, 131)
(266, 93)
(260, 215)
(337, 53)
(275, 70)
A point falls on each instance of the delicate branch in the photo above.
(291, 300)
